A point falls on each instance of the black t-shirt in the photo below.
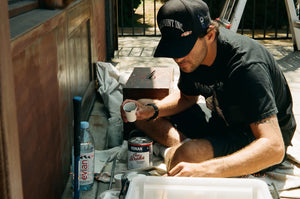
(247, 83)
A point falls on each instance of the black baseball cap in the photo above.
(181, 22)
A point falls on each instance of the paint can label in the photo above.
(139, 152)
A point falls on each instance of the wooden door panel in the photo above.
(38, 117)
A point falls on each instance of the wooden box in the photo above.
(149, 82)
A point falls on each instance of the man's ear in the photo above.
(211, 33)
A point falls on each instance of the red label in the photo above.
(84, 169)
(136, 156)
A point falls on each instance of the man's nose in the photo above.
(178, 59)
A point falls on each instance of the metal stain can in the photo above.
(139, 152)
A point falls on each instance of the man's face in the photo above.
(190, 62)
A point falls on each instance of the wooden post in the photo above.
(10, 167)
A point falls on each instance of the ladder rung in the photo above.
(297, 23)
(224, 22)
(231, 14)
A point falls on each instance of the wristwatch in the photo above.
(155, 109)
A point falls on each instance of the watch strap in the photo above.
(155, 113)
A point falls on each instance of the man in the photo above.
(252, 122)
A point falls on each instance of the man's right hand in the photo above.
(143, 112)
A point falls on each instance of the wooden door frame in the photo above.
(10, 165)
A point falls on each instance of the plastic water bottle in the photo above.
(87, 158)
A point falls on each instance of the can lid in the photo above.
(140, 141)
(84, 125)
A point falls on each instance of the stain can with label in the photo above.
(139, 152)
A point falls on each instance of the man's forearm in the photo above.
(251, 159)
(174, 103)
(267, 150)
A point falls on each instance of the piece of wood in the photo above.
(52, 60)
(51, 63)
(148, 82)
(10, 165)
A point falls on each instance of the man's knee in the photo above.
(197, 150)
(144, 125)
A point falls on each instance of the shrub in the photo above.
(126, 11)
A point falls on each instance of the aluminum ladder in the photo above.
(232, 13)
(293, 15)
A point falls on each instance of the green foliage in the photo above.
(126, 11)
(269, 14)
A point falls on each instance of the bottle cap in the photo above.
(84, 125)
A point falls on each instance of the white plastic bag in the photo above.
(109, 88)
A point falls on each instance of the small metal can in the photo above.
(139, 152)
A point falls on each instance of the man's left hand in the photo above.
(186, 169)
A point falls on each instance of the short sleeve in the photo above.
(253, 87)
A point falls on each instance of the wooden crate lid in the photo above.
(150, 78)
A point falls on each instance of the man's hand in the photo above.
(186, 169)
(143, 112)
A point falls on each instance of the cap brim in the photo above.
(175, 49)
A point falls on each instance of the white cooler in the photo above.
(153, 187)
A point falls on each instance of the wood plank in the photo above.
(10, 169)
(38, 118)
(80, 66)
(98, 36)
(64, 100)
(141, 85)
(50, 21)
(22, 7)
(77, 16)
(51, 66)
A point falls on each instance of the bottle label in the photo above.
(87, 168)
